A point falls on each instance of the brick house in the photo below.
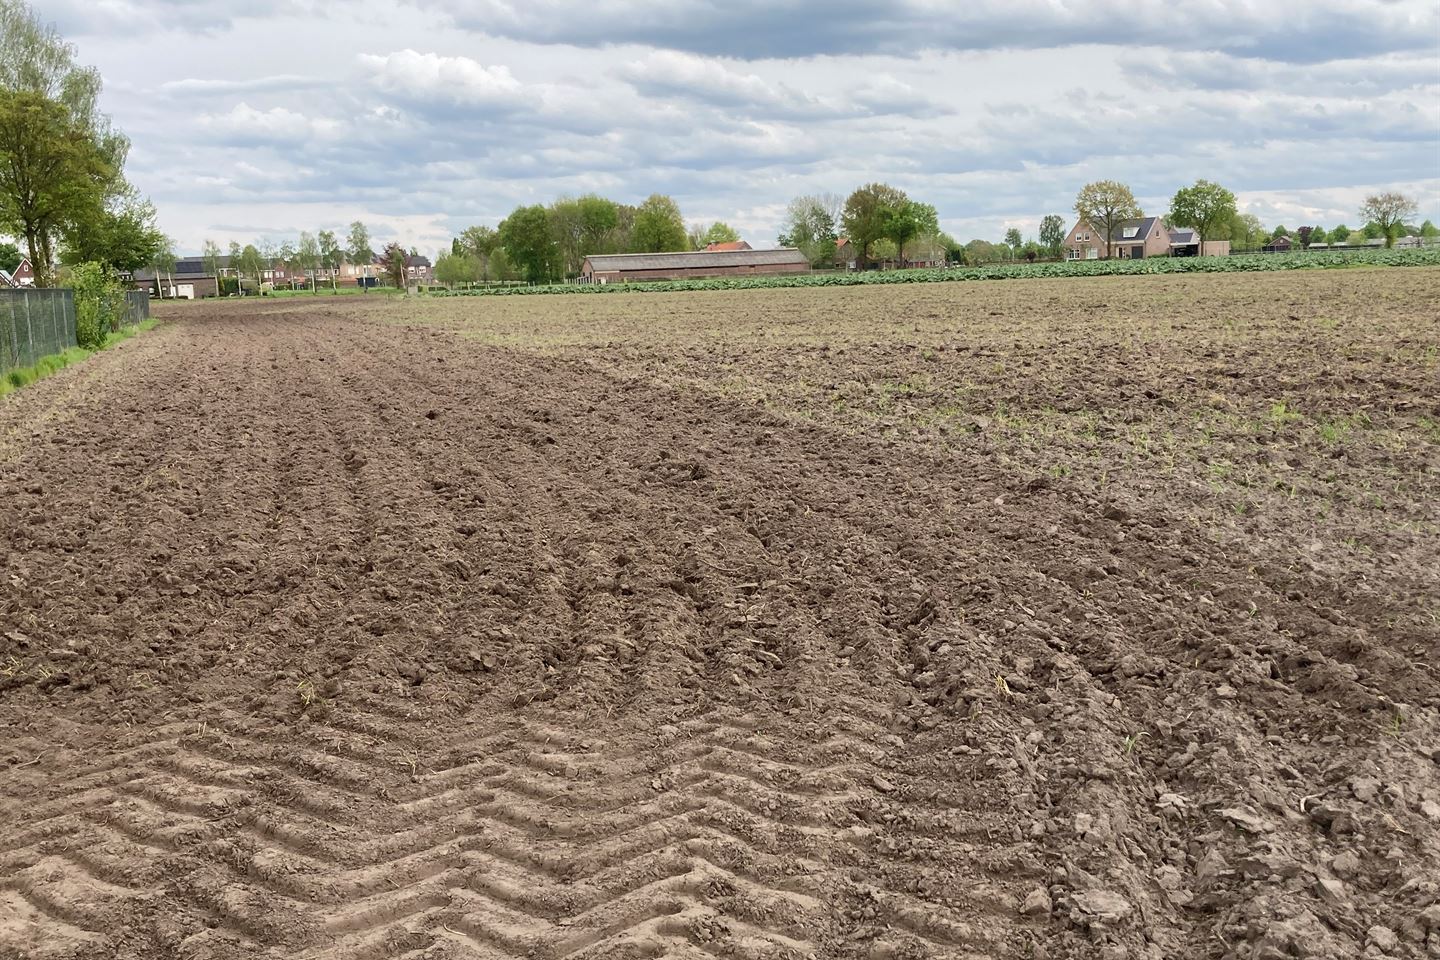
(22, 276)
(417, 268)
(1137, 239)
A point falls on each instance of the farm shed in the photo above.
(630, 267)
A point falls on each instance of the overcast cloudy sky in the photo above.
(265, 118)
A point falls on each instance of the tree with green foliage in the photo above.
(462, 267)
(909, 222)
(659, 226)
(392, 263)
(1052, 235)
(122, 237)
(1387, 211)
(480, 241)
(210, 256)
(867, 213)
(1318, 235)
(1103, 206)
(954, 252)
(1429, 231)
(251, 264)
(1246, 232)
(1013, 239)
(1205, 207)
(529, 244)
(810, 225)
(10, 257)
(1340, 234)
(331, 255)
(717, 232)
(307, 258)
(162, 261)
(1278, 232)
(357, 245)
(61, 162)
(1372, 231)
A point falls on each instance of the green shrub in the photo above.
(99, 304)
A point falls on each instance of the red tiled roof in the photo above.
(732, 245)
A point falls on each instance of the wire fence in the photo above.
(137, 307)
(34, 324)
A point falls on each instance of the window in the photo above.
(1130, 233)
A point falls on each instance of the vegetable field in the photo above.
(1073, 618)
(1260, 262)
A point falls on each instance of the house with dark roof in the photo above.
(417, 268)
(1137, 239)
(190, 280)
(632, 267)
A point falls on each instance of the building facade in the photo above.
(635, 267)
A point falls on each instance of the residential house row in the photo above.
(192, 278)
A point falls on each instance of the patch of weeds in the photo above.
(1133, 741)
(1281, 414)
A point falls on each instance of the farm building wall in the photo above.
(696, 273)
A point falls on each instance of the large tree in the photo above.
(1103, 206)
(121, 237)
(1205, 207)
(810, 225)
(210, 255)
(393, 262)
(331, 254)
(659, 227)
(529, 244)
(307, 258)
(250, 263)
(717, 232)
(1052, 234)
(1386, 211)
(581, 226)
(61, 162)
(459, 267)
(911, 221)
(357, 245)
(1246, 231)
(162, 261)
(867, 213)
(1013, 239)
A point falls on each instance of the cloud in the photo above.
(280, 83)
(1297, 31)
(243, 124)
(429, 76)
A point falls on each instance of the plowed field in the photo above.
(1037, 619)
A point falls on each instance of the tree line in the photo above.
(542, 243)
(1205, 207)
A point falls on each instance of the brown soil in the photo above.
(1038, 619)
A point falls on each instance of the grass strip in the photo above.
(13, 380)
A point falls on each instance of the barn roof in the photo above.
(697, 260)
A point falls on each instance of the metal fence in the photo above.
(137, 304)
(34, 324)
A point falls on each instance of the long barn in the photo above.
(631, 267)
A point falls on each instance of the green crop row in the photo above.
(1426, 256)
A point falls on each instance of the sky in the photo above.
(256, 121)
